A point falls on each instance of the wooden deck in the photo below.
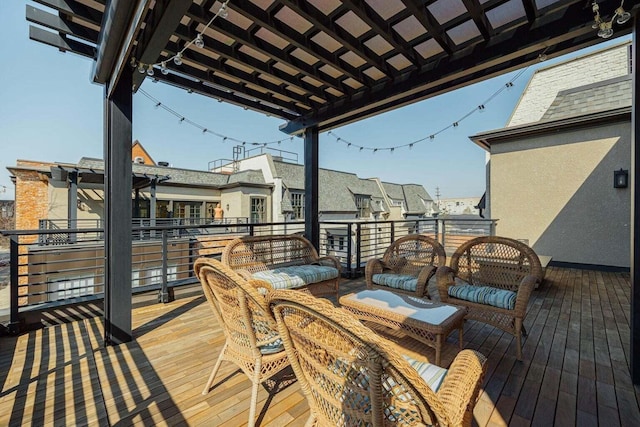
(575, 368)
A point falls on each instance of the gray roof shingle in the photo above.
(185, 176)
(602, 96)
(337, 189)
(415, 195)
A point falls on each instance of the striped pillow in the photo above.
(297, 276)
(396, 281)
(500, 298)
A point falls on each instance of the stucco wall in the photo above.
(557, 192)
(547, 82)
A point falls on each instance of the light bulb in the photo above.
(223, 11)
(163, 68)
(623, 16)
(150, 70)
(198, 41)
(605, 30)
(177, 59)
(142, 69)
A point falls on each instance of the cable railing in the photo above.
(56, 266)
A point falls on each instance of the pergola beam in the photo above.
(266, 19)
(384, 29)
(246, 38)
(229, 53)
(61, 42)
(454, 72)
(158, 30)
(233, 75)
(74, 9)
(349, 43)
(199, 87)
(60, 24)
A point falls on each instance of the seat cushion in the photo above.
(433, 375)
(500, 298)
(396, 281)
(296, 276)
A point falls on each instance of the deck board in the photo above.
(575, 367)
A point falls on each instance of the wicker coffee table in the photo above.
(426, 321)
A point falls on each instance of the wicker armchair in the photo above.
(407, 265)
(493, 277)
(252, 341)
(351, 376)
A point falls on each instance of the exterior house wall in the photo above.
(32, 197)
(138, 151)
(547, 82)
(461, 206)
(239, 200)
(263, 163)
(556, 191)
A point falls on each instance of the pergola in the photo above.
(317, 64)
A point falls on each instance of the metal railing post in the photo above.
(393, 233)
(358, 246)
(349, 250)
(444, 232)
(163, 295)
(14, 321)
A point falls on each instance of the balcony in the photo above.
(576, 356)
(574, 372)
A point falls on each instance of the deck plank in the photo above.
(575, 367)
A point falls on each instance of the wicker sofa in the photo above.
(284, 262)
(493, 277)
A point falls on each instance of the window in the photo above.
(363, 204)
(187, 209)
(143, 209)
(70, 288)
(341, 243)
(331, 242)
(258, 210)
(297, 203)
(162, 209)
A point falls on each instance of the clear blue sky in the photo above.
(50, 111)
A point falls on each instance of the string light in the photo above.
(205, 130)
(198, 42)
(605, 28)
(480, 108)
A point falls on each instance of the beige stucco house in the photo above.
(550, 172)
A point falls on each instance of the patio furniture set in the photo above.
(350, 360)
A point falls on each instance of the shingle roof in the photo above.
(247, 176)
(602, 96)
(184, 176)
(414, 196)
(337, 189)
(393, 191)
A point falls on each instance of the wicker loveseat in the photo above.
(284, 262)
(493, 277)
(407, 265)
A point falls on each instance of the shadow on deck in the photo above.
(574, 372)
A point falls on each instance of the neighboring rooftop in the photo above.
(602, 96)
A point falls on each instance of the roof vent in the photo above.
(165, 164)
(139, 160)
